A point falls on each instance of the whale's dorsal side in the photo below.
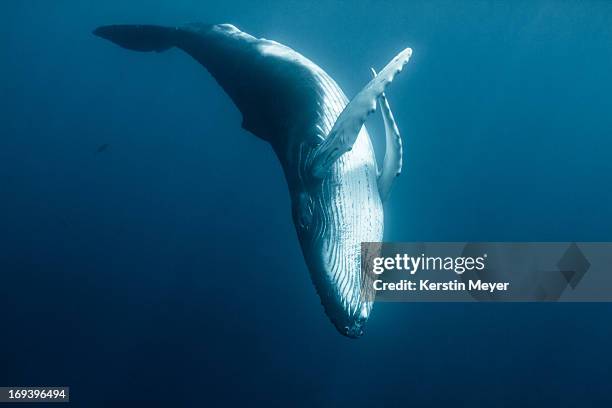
(275, 88)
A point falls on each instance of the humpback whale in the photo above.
(337, 189)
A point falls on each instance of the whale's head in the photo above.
(333, 221)
(332, 250)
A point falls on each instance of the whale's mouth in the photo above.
(356, 328)
(354, 332)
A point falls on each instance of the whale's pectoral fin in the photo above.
(344, 132)
(392, 163)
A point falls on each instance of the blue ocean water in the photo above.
(164, 270)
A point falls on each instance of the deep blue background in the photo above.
(167, 268)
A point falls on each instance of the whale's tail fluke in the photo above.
(139, 37)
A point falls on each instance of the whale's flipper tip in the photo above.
(138, 37)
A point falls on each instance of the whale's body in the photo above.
(319, 138)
